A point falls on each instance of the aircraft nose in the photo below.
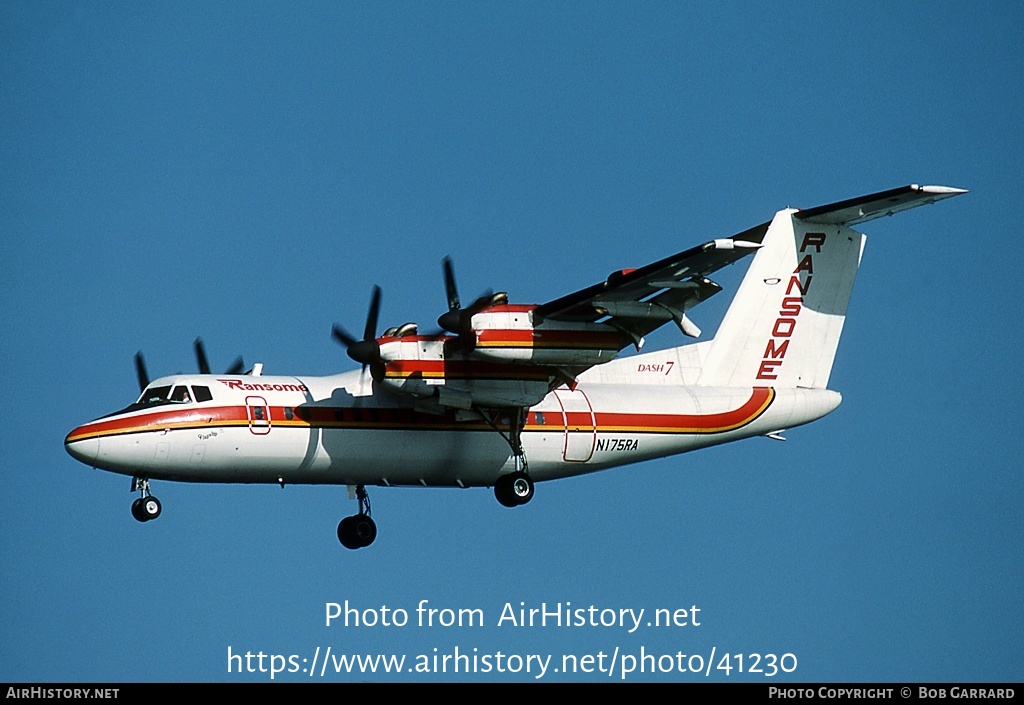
(81, 448)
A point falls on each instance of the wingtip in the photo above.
(942, 191)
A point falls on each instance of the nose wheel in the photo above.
(147, 507)
(359, 530)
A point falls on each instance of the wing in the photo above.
(864, 208)
(639, 301)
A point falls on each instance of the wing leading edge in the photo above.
(860, 210)
(641, 300)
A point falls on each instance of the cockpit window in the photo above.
(201, 393)
(154, 396)
(181, 395)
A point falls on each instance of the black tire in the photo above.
(513, 489)
(503, 492)
(137, 511)
(150, 507)
(347, 534)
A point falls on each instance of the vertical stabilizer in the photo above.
(782, 328)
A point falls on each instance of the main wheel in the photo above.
(513, 489)
(357, 531)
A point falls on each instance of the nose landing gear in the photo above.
(147, 507)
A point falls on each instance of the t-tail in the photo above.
(783, 326)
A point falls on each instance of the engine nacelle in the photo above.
(509, 334)
(433, 368)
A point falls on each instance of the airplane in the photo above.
(507, 395)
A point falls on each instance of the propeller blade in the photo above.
(481, 301)
(457, 319)
(140, 371)
(366, 350)
(449, 284)
(377, 372)
(204, 364)
(343, 336)
(237, 367)
(370, 332)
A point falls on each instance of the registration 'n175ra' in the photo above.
(617, 444)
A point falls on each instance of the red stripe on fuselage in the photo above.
(760, 399)
(404, 419)
(198, 417)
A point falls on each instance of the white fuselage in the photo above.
(340, 430)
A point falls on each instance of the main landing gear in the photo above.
(515, 488)
(147, 506)
(359, 530)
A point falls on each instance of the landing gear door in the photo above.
(259, 415)
(580, 427)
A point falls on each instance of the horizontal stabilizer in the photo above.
(859, 210)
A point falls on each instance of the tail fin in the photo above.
(782, 328)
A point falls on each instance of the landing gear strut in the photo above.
(516, 487)
(359, 530)
(146, 507)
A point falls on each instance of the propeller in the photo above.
(366, 350)
(204, 365)
(449, 284)
(459, 320)
(140, 371)
(452, 320)
(236, 367)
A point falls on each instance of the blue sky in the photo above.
(248, 171)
